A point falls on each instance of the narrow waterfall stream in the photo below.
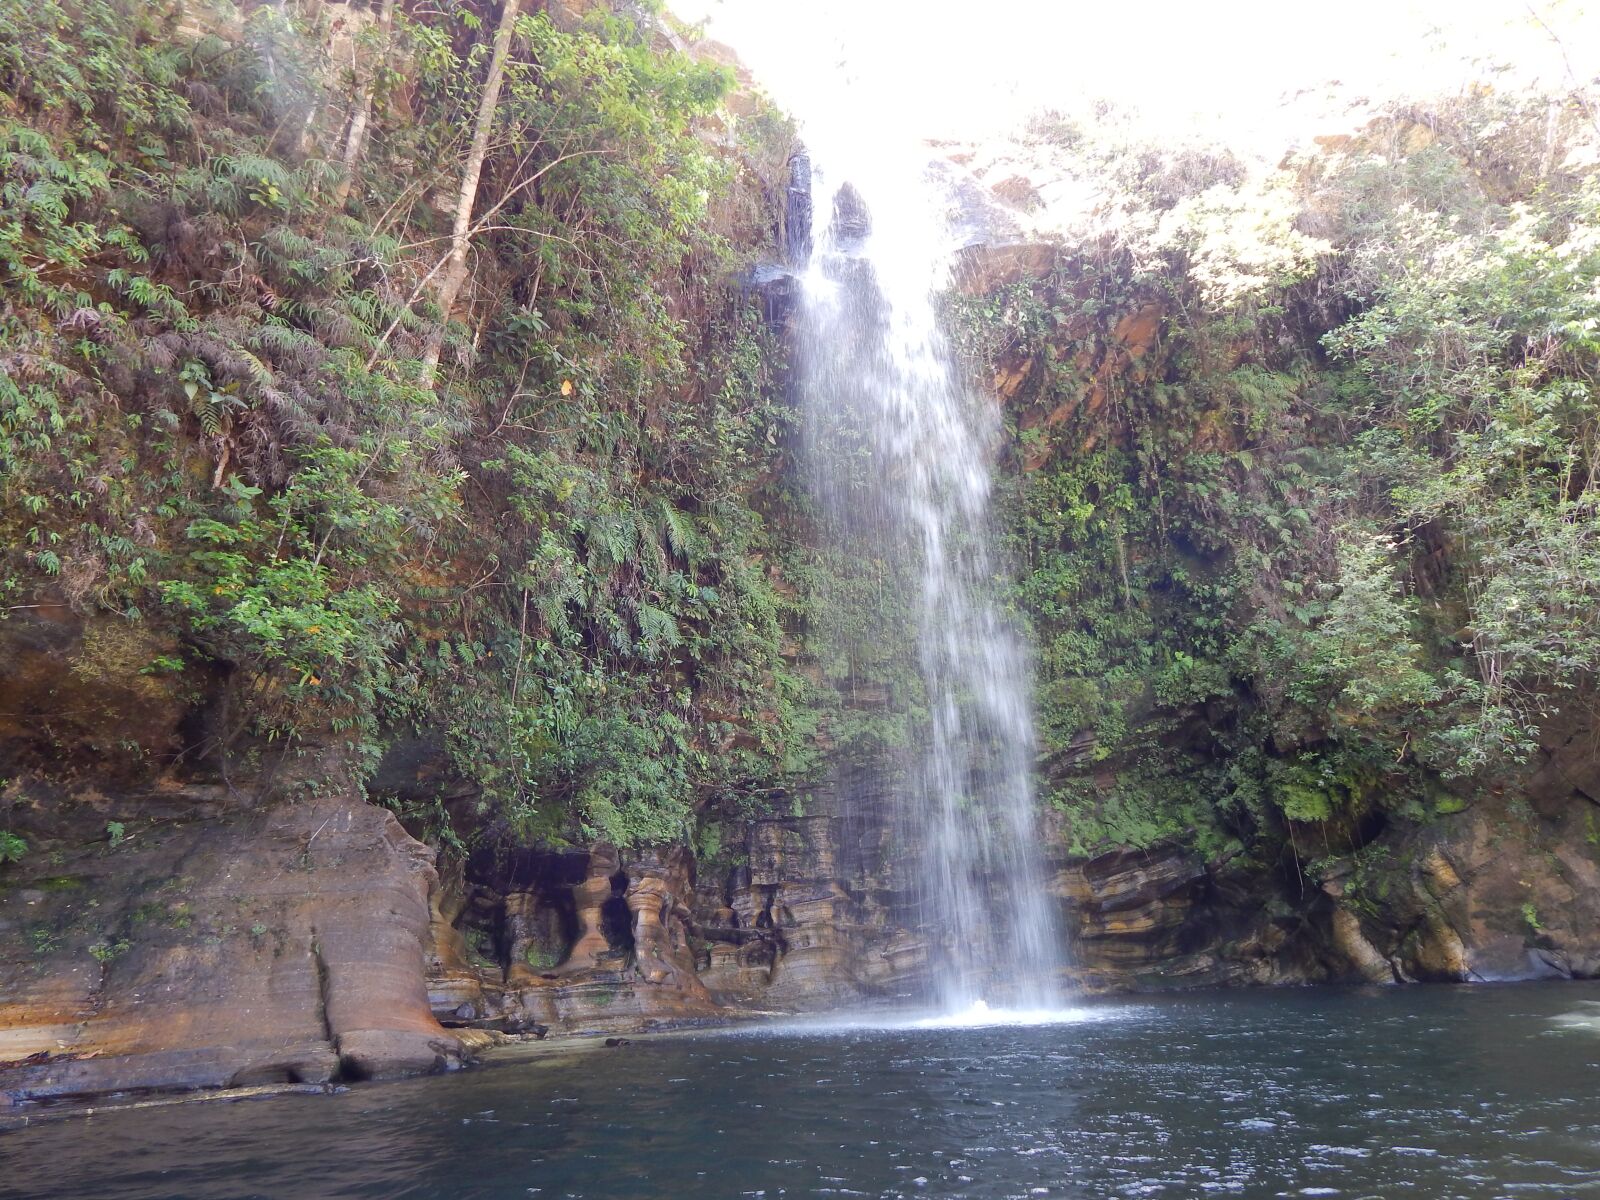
(899, 448)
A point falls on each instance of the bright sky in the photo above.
(962, 67)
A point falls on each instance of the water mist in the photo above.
(899, 448)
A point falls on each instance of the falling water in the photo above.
(900, 449)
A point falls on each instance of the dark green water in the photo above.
(1422, 1092)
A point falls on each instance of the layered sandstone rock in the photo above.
(219, 942)
(1498, 892)
(1159, 918)
(590, 939)
(809, 916)
(167, 930)
(213, 943)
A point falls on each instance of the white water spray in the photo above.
(900, 449)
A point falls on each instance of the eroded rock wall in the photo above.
(811, 913)
(180, 921)
(1508, 888)
(211, 941)
(802, 913)
(224, 938)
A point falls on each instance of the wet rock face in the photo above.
(1502, 891)
(592, 939)
(812, 917)
(805, 926)
(986, 266)
(1132, 910)
(806, 915)
(211, 943)
(167, 929)
(1162, 918)
(1508, 888)
(75, 694)
(170, 930)
(798, 204)
(851, 218)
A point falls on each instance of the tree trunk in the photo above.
(455, 273)
(355, 140)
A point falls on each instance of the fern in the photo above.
(678, 529)
(658, 631)
(612, 539)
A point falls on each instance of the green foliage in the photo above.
(108, 950)
(541, 958)
(1332, 538)
(12, 847)
(1147, 804)
(1530, 916)
(215, 418)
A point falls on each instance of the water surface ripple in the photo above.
(1427, 1092)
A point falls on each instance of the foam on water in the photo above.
(1585, 1018)
(980, 1016)
(976, 1016)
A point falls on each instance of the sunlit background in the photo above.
(1255, 73)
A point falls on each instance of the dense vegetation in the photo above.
(390, 360)
(1306, 507)
(378, 376)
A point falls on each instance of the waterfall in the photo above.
(898, 448)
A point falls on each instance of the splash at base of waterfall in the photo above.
(980, 1014)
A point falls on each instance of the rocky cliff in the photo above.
(173, 933)
(177, 930)
(1273, 616)
(376, 679)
